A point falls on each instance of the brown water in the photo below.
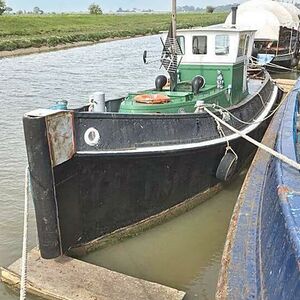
(183, 253)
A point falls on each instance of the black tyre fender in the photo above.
(227, 167)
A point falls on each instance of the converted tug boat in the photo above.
(277, 39)
(111, 168)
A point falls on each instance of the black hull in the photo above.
(82, 193)
(282, 63)
(109, 193)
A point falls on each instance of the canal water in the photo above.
(183, 253)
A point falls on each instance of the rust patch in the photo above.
(298, 264)
(60, 132)
(283, 191)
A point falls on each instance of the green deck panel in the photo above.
(183, 100)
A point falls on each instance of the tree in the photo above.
(8, 9)
(37, 10)
(95, 9)
(2, 7)
(210, 9)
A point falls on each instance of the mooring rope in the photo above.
(256, 143)
(220, 109)
(25, 230)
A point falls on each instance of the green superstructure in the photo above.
(216, 54)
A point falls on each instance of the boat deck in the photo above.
(66, 278)
(254, 85)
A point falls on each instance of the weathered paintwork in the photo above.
(61, 137)
(142, 167)
(261, 258)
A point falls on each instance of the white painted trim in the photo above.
(191, 146)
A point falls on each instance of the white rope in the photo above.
(256, 63)
(25, 230)
(256, 143)
(222, 134)
(220, 108)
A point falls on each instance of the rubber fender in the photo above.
(227, 167)
(198, 83)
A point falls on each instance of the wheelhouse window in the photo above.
(200, 44)
(222, 45)
(181, 43)
(242, 44)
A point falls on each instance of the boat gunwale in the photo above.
(287, 177)
(243, 222)
(113, 115)
(189, 146)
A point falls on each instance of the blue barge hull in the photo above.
(261, 259)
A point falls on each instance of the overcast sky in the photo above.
(107, 5)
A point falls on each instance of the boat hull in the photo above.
(142, 169)
(262, 251)
(283, 63)
(116, 192)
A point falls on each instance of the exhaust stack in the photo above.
(233, 15)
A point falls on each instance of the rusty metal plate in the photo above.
(60, 131)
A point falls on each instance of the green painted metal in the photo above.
(183, 100)
(233, 75)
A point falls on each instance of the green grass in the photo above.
(18, 32)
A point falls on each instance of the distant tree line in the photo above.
(121, 10)
(209, 8)
(4, 8)
(188, 8)
(95, 9)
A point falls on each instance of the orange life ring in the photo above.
(152, 99)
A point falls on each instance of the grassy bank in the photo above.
(20, 32)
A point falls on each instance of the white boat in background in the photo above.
(277, 31)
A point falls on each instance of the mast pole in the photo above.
(174, 18)
(173, 76)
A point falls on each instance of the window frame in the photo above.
(242, 44)
(227, 46)
(183, 39)
(205, 48)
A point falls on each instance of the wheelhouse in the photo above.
(212, 67)
(212, 50)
